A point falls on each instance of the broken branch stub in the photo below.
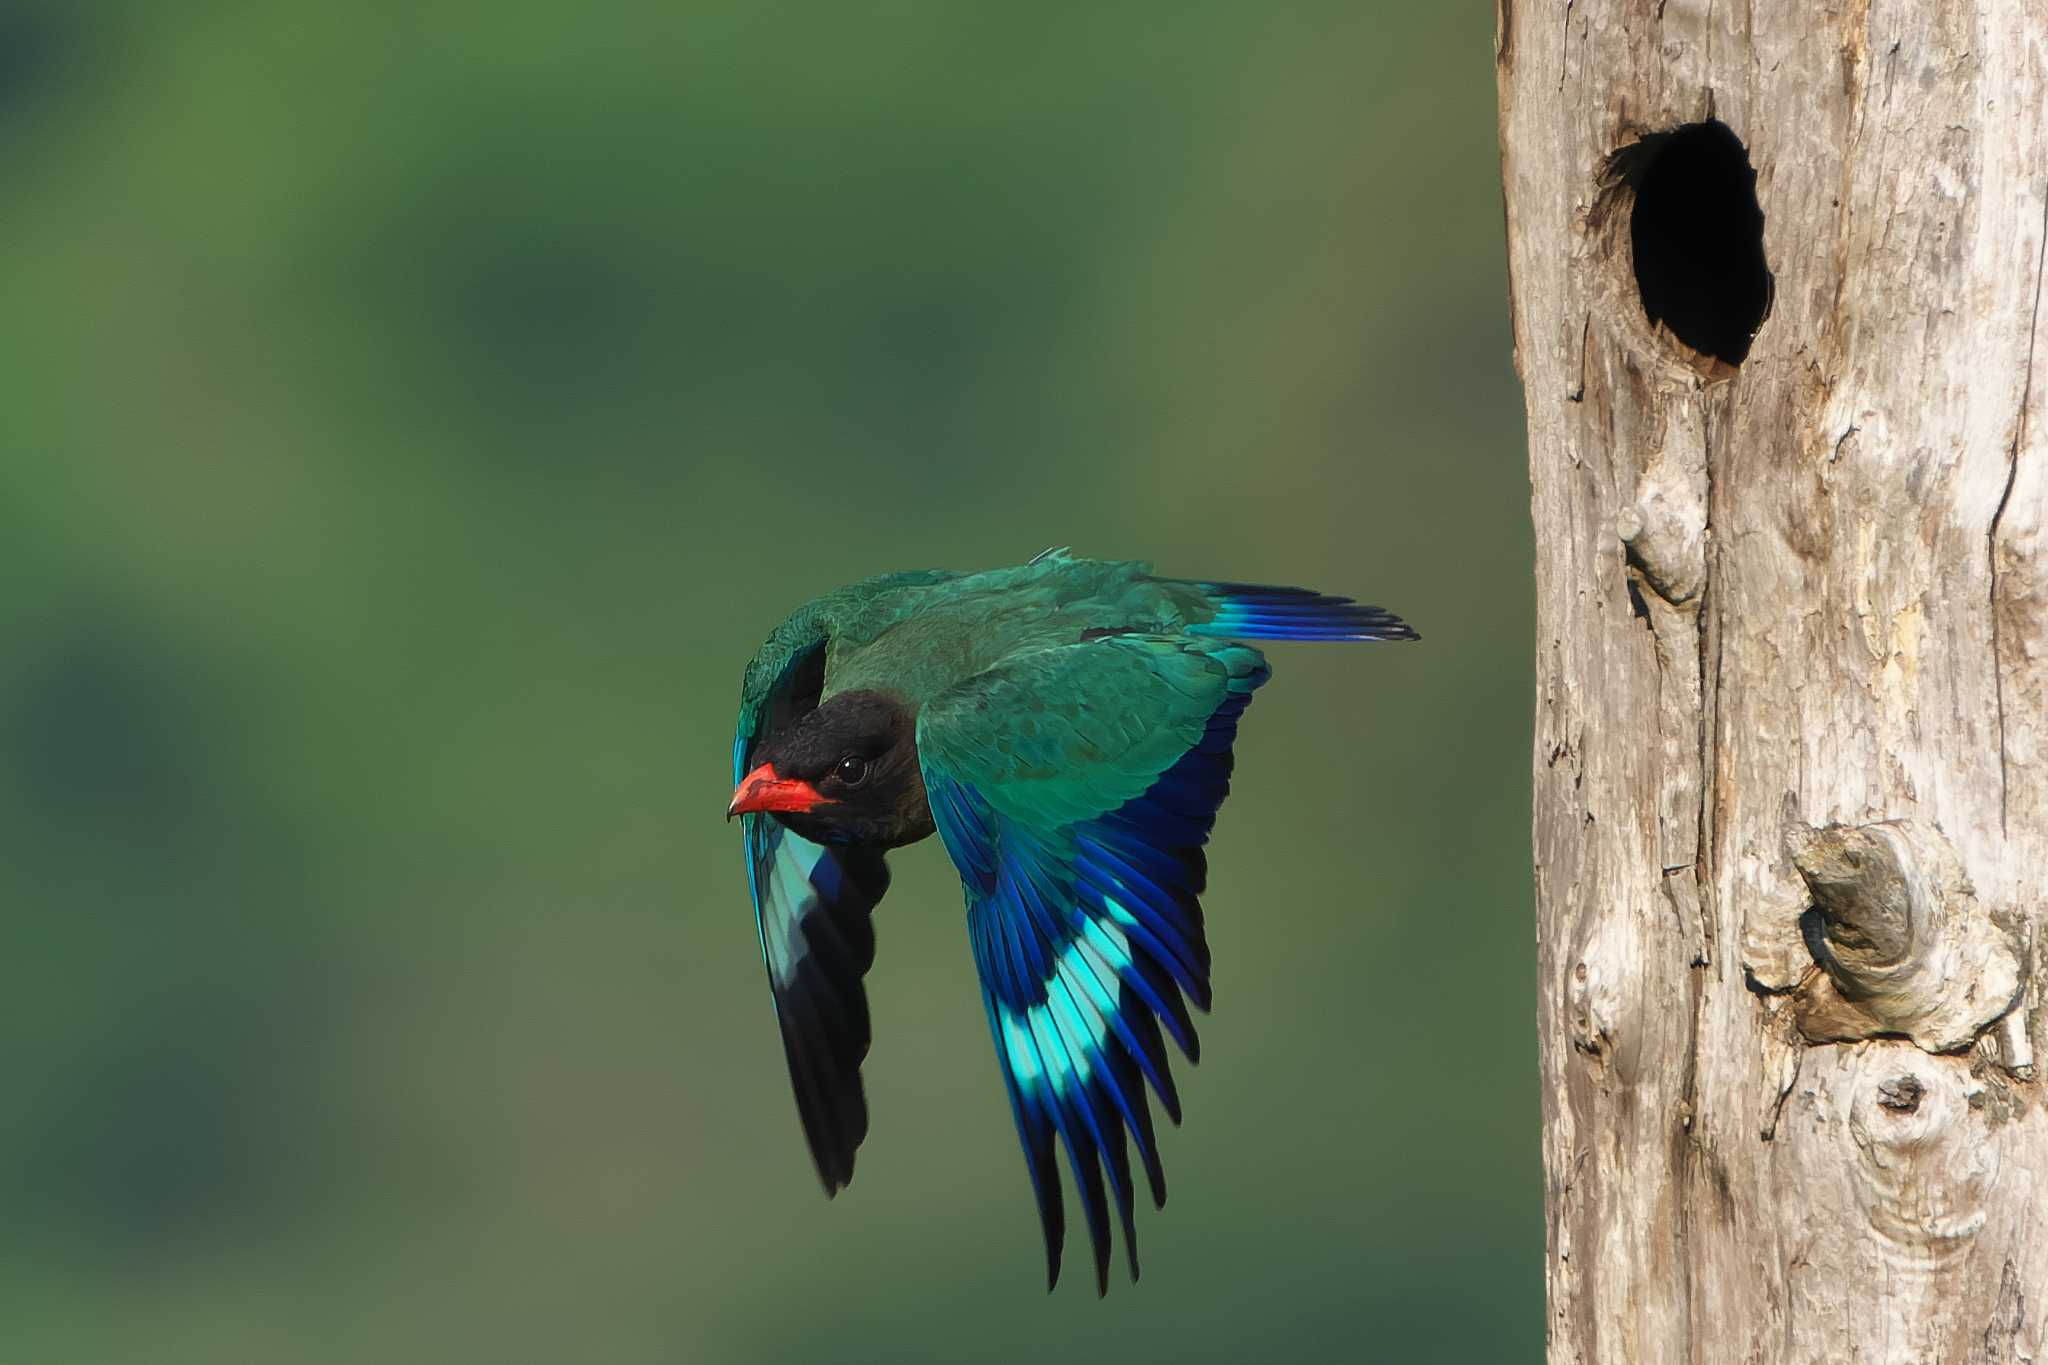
(1903, 943)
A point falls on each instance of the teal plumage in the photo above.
(1066, 727)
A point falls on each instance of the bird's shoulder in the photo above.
(1066, 731)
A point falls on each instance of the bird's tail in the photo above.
(1257, 611)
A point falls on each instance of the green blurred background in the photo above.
(414, 417)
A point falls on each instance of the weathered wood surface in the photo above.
(1774, 608)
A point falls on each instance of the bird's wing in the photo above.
(1074, 787)
(812, 906)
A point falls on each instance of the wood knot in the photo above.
(1664, 531)
(1925, 1179)
(1901, 942)
(1901, 1094)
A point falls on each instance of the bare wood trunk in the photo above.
(1791, 818)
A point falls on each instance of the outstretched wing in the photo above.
(812, 906)
(1074, 788)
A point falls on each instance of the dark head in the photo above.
(844, 773)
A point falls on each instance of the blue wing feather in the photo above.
(1087, 939)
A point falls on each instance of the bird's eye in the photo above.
(852, 770)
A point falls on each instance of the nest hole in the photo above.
(1696, 235)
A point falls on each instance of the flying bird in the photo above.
(1065, 726)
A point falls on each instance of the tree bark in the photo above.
(1791, 809)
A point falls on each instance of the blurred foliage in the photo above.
(415, 416)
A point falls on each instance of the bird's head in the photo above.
(843, 773)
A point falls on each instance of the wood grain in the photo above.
(1802, 595)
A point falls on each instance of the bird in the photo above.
(1065, 726)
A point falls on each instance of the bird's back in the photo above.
(919, 640)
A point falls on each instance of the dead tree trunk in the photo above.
(1791, 819)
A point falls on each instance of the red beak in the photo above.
(764, 789)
